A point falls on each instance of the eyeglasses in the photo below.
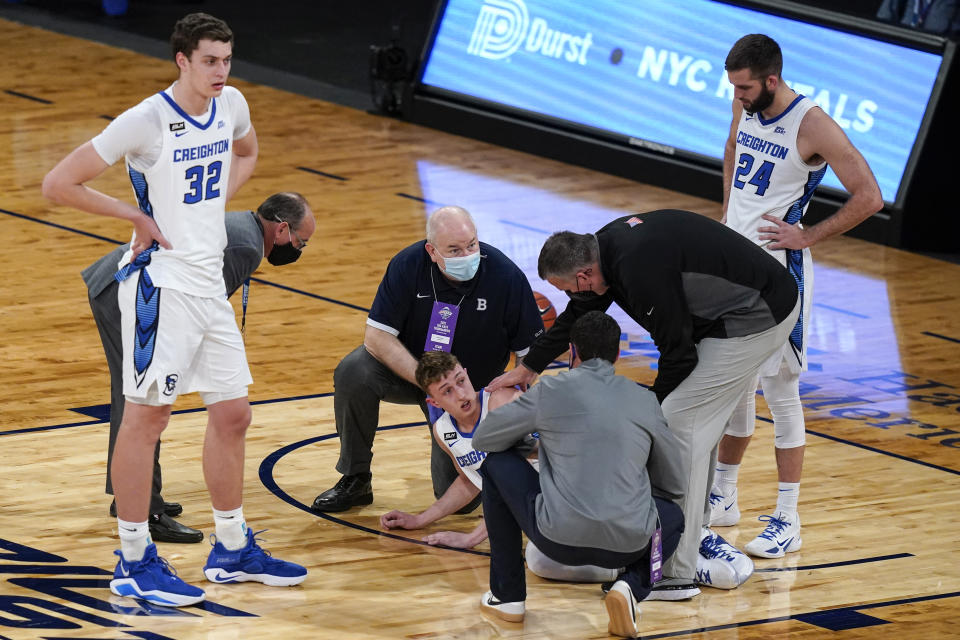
(303, 243)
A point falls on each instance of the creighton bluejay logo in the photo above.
(170, 384)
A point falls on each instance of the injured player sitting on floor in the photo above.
(449, 389)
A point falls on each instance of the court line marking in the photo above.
(799, 616)
(265, 471)
(178, 411)
(523, 226)
(839, 310)
(937, 335)
(252, 279)
(266, 477)
(322, 173)
(330, 393)
(27, 96)
(872, 449)
(347, 304)
(365, 310)
(310, 295)
(60, 226)
(419, 199)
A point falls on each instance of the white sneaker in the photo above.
(781, 536)
(509, 611)
(724, 511)
(622, 609)
(720, 564)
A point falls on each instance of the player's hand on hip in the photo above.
(399, 520)
(146, 232)
(782, 235)
(519, 376)
(450, 539)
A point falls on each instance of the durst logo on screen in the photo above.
(504, 25)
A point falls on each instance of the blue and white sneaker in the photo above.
(250, 564)
(724, 511)
(154, 580)
(781, 536)
(720, 564)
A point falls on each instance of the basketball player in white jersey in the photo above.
(448, 388)
(779, 147)
(187, 149)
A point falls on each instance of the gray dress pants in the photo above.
(697, 412)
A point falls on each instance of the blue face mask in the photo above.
(462, 268)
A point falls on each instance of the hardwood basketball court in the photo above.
(881, 492)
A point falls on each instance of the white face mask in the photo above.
(462, 268)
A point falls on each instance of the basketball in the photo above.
(547, 313)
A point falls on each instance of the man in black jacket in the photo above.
(716, 306)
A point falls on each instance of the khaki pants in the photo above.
(697, 412)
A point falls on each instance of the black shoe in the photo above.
(163, 528)
(172, 509)
(667, 589)
(350, 491)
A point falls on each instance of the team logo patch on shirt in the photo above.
(450, 435)
(220, 124)
(634, 221)
(178, 126)
(780, 130)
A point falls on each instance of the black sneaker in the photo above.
(350, 491)
(666, 589)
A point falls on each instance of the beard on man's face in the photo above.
(762, 101)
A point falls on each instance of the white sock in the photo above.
(726, 478)
(231, 528)
(134, 538)
(787, 497)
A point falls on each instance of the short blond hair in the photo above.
(433, 366)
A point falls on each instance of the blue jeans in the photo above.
(510, 490)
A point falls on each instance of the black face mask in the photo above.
(582, 296)
(282, 254)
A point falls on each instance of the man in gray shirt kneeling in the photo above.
(609, 473)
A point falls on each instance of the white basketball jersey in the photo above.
(185, 192)
(461, 444)
(769, 176)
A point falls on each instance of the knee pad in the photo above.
(782, 393)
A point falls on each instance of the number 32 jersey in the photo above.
(769, 176)
(179, 166)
